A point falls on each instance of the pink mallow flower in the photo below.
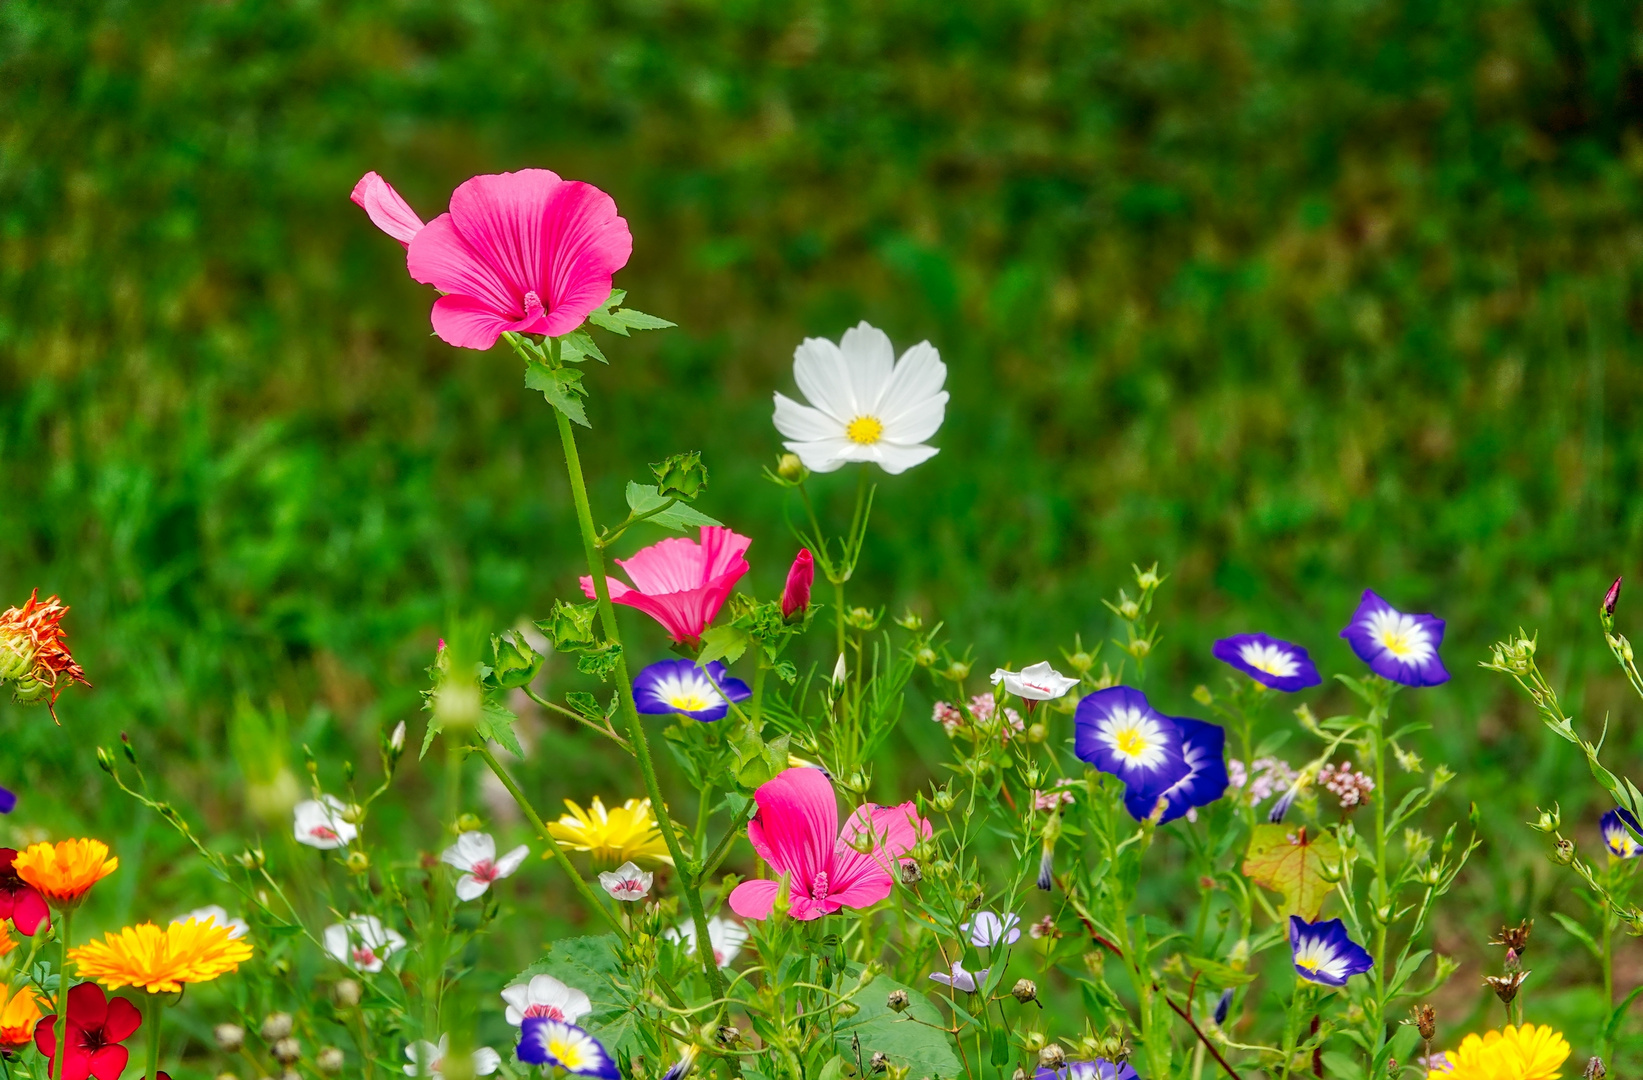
(796, 831)
(522, 251)
(680, 583)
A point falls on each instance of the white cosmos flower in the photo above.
(1040, 682)
(237, 928)
(362, 942)
(727, 935)
(627, 882)
(319, 823)
(865, 405)
(428, 1059)
(546, 997)
(474, 853)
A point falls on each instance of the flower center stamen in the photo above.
(818, 886)
(689, 702)
(865, 430)
(1131, 742)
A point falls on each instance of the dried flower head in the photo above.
(1506, 986)
(1515, 938)
(1425, 1019)
(34, 654)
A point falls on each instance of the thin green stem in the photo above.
(62, 991)
(624, 690)
(1380, 902)
(151, 1016)
(558, 852)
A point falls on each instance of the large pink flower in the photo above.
(796, 831)
(680, 583)
(523, 251)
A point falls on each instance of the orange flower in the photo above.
(7, 942)
(18, 1017)
(160, 961)
(66, 871)
(34, 654)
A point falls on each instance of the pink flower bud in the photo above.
(1611, 598)
(796, 596)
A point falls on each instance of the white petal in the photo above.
(507, 864)
(803, 423)
(336, 942)
(486, 1061)
(477, 846)
(824, 456)
(918, 378)
(917, 423)
(469, 887)
(824, 378)
(895, 459)
(870, 358)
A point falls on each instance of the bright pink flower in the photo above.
(388, 212)
(523, 251)
(796, 831)
(680, 583)
(796, 596)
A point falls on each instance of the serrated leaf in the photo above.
(600, 662)
(725, 643)
(592, 965)
(1290, 861)
(924, 1047)
(638, 320)
(586, 704)
(609, 322)
(577, 346)
(496, 724)
(562, 387)
(643, 498)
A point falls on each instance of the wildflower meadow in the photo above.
(728, 784)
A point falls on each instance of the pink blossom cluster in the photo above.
(1269, 775)
(1352, 788)
(1058, 795)
(982, 707)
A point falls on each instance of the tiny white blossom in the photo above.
(428, 1059)
(362, 942)
(627, 882)
(319, 823)
(1040, 682)
(474, 853)
(726, 935)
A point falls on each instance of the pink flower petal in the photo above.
(441, 256)
(387, 211)
(681, 584)
(467, 323)
(859, 880)
(798, 817)
(754, 899)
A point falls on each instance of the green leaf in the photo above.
(643, 498)
(1342, 1065)
(1579, 933)
(600, 662)
(562, 387)
(928, 1051)
(608, 321)
(638, 320)
(577, 346)
(1406, 970)
(1291, 861)
(725, 643)
(1619, 1014)
(593, 965)
(1218, 974)
(496, 724)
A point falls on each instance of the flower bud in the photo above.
(1019, 1074)
(1563, 852)
(925, 656)
(680, 476)
(457, 704)
(958, 671)
(1223, 1005)
(329, 1060)
(796, 594)
(1548, 821)
(1024, 990)
(276, 1026)
(791, 469)
(1202, 695)
(1139, 648)
(1081, 661)
(286, 1051)
(230, 1037)
(469, 823)
(847, 1009)
(1052, 1057)
(1148, 579)
(1610, 599)
(860, 618)
(104, 761)
(346, 993)
(840, 672)
(358, 862)
(944, 800)
(1037, 733)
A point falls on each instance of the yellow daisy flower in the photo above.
(1528, 1052)
(18, 1015)
(162, 960)
(629, 832)
(66, 871)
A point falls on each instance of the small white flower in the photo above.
(474, 853)
(428, 1059)
(865, 405)
(1040, 682)
(727, 936)
(319, 824)
(546, 997)
(396, 741)
(627, 882)
(362, 942)
(237, 928)
(967, 981)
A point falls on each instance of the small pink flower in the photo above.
(796, 596)
(680, 583)
(1352, 788)
(947, 716)
(388, 212)
(796, 832)
(1049, 800)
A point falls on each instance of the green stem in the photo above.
(624, 690)
(62, 992)
(1380, 900)
(151, 1017)
(558, 852)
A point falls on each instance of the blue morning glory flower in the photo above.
(1203, 747)
(1118, 732)
(1617, 838)
(1099, 1069)
(1268, 661)
(1324, 954)
(543, 1041)
(680, 686)
(8, 800)
(1395, 645)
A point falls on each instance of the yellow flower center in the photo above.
(689, 702)
(865, 430)
(1131, 742)
(1397, 643)
(569, 1055)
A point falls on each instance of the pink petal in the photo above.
(676, 612)
(468, 323)
(387, 211)
(896, 830)
(859, 880)
(754, 899)
(501, 216)
(680, 563)
(798, 819)
(440, 256)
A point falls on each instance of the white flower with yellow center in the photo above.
(865, 405)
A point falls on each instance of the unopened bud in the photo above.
(276, 1026)
(230, 1037)
(346, 993)
(1610, 599)
(1037, 733)
(1548, 820)
(469, 823)
(1081, 661)
(958, 671)
(1024, 990)
(847, 1009)
(1052, 1057)
(396, 741)
(286, 1051)
(1129, 609)
(944, 800)
(329, 1060)
(358, 862)
(791, 469)
(897, 1001)
(925, 657)
(104, 761)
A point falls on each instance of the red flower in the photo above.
(97, 1025)
(796, 597)
(34, 654)
(19, 901)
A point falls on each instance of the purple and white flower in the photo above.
(554, 1042)
(1099, 1069)
(627, 882)
(545, 998)
(988, 929)
(1620, 841)
(1118, 732)
(727, 936)
(1269, 661)
(363, 942)
(1324, 954)
(1396, 645)
(680, 686)
(320, 823)
(1203, 748)
(1037, 682)
(959, 979)
(428, 1059)
(474, 853)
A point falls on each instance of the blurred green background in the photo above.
(1296, 298)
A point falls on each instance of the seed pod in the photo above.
(1426, 1021)
(329, 1060)
(230, 1037)
(897, 1001)
(1025, 990)
(276, 1026)
(1594, 1067)
(1052, 1057)
(346, 993)
(286, 1051)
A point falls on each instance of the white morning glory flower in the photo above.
(1039, 682)
(474, 853)
(319, 823)
(545, 998)
(865, 405)
(428, 1059)
(362, 942)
